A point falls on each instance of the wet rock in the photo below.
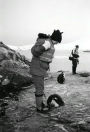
(85, 74)
(15, 68)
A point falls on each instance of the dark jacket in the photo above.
(75, 53)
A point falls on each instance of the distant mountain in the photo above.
(26, 53)
(86, 51)
(23, 50)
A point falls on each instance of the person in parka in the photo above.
(42, 52)
(75, 60)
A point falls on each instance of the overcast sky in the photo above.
(22, 20)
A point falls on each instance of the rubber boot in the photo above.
(40, 106)
(39, 101)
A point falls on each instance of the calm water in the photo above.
(61, 62)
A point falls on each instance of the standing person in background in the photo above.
(42, 52)
(75, 60)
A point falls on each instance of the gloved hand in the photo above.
(47, 45)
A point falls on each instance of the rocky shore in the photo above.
(14, 70)
(17, 101)
(21, 115)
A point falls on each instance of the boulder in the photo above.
(13, 67)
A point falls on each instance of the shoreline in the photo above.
(75, 92)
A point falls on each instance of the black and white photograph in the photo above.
(44, 65)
